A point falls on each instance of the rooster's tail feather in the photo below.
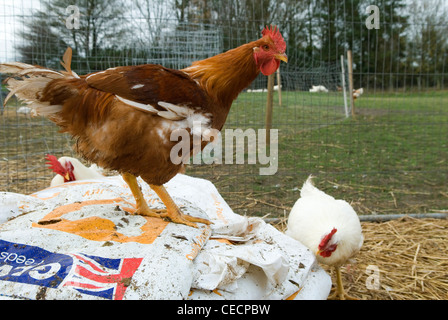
(28, 83)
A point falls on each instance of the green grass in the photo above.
(391, 158)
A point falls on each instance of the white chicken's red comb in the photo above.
(55, 165)
(327, 238)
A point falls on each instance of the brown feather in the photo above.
(67, 60)
(101, 110)
(225, 75)
(156, 84)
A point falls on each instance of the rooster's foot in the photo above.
(178, 217)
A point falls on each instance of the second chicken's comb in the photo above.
(55, 165)
(327, 238)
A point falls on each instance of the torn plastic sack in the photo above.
(80, 240)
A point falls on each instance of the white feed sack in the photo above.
(92, 247)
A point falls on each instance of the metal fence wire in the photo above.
(386, 155)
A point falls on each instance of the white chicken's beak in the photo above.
(318, 252)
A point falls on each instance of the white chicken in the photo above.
(319, 88)
(70, 169)
(276, 87)
(357, 93)
(25, 110)
(328, 227)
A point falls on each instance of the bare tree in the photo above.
(102, 25)
(156, 16)
(427, 46)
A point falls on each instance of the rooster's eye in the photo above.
(266, 47)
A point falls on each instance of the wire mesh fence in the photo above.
(390, 157)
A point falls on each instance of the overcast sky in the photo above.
(10, 25)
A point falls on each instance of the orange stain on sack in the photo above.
(101, 229)
(65, 185)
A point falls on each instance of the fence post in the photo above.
(350, 81)
(269, 104)
(279, 84)
(344, 89)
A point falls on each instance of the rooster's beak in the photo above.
(67, 176)
(282, 57)
(318, 252)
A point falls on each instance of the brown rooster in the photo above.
(122, 118)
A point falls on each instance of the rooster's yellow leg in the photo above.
(142, 206)
(340, 292)
(173, 212)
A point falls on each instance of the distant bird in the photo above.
(319, 88)
(276, 87)
(357, 93)
(328, 227)
(69, 169)
(25, 110)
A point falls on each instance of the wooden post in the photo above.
(279, 84)
(269, 104)
(350, 81)
(344, 89)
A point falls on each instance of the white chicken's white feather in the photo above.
(315, 214)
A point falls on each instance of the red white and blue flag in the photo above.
(102, 277)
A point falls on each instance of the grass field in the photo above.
(391, 158)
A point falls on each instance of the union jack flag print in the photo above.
(102, 277)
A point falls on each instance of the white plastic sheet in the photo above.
(93, 247)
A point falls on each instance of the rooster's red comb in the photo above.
(276, 36)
